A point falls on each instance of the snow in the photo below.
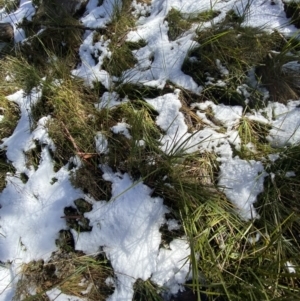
(26, 11)
(98, 16)
(31, 212)
(127, 227)
(122, 128)
(56, 295)
(101, 143)
(110, 100)
(290, 267)
(20, 141)
(170, 119)
(173, 266)
(286, 126)
(92, 56)
(242, 181)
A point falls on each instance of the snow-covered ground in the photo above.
(127, 227)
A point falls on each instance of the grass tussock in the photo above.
(73, 274)
(9, 5)
(226, 52)
(5, 167)
(292, 9)
(73, 122)
(122, 21)
(52, 30)
(9, 113)
(238, 258)
(146, 290)
(254, 144)
(279, 72)
(179, 23)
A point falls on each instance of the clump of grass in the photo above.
(137, 91)
(5, 167)
(281, 196)
(281, 81)
(51, 31)
(89, 179)
(146, 290)
(76, 220)
(177, 24)
(254, 144)
(148, 2)
(121, 57)
(223, 248)
(128, 154)
(71, 273)
(292, 9)
(226, 52)
(65, 241)
(33, 156)
(228, 254)
(73, 124)
(21, 73)
(10, 113)
(9, 5)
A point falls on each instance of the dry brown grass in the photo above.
(70, 272)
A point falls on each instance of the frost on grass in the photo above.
(242, 182)
(127, 229)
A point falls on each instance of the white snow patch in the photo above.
(101, 143)
(110, 100)
(170, 119)
(242, 182)
(290, 174)
(92, 56)
(173, 265)
(21, 139)
(290, 267)
(127, 227)
(121, 128)
(286, 126)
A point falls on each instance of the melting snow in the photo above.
(127, 227)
